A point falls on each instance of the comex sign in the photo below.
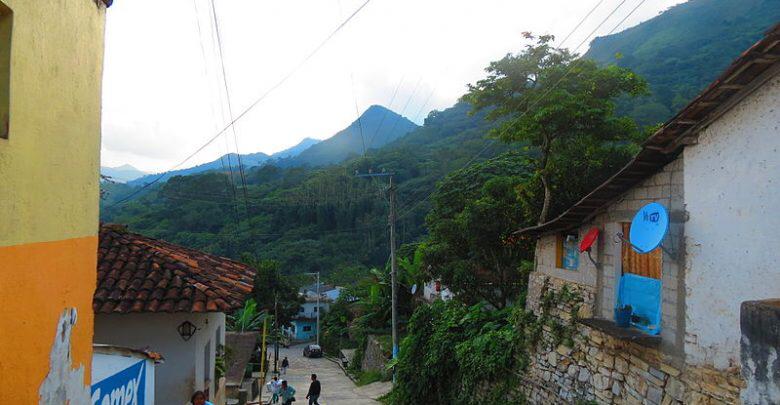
(126, 387)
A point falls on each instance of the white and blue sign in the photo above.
(649, 227)
(126, 387)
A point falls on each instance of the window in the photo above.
(6, 25)
(302, 310)
(307, 328)
(315, 309)
(567, 254)
(645, 265)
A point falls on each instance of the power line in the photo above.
(489, 142)
(229, 185)
(403, 110)
(229, 103)
(257, 101)
(387, 111)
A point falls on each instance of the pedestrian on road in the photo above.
(314, 391)
(274, 386)
(285, 364)
(287, 393)
(199, 398)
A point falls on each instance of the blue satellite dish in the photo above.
(649, 227)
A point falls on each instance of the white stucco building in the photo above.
(169, 299)
(715, 167)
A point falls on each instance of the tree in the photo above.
(547, 98)
(271, 287)
(475, 211)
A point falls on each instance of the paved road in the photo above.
(337, 388)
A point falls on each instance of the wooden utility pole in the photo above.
(393, 265)
(393, 269)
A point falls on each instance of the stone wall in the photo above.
(375, 356)
(601, 368)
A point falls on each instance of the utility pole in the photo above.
(318, 308)
(276, 334)
(393, 264)
(393, 269)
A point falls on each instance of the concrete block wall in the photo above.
(665, 187)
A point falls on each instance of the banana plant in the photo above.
(247, 318)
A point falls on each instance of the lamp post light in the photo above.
(318, 304)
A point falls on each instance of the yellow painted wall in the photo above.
(49, 188)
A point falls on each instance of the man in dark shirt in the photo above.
(314, 391)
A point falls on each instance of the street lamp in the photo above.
(318, 304)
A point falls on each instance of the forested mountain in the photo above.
(325, 219)
(682, 50)
(122, 173)
(376, 127)
(225, 162)
(312, 213)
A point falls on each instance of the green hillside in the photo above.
(682, 50)
(309, 219)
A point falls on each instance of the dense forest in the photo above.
(327, 219)
(682, 50)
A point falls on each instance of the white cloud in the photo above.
(159, 105)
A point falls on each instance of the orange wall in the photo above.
(62, 274)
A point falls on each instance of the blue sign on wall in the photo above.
(125, 387)
(571, 254)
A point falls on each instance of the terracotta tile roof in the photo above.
(750, 70)
(140, 274)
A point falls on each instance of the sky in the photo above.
(165, 95)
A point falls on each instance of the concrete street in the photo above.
(337, 388)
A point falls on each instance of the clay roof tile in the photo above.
(141, 274)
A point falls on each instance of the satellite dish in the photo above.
(649, 227)
(589, 239)
(414, 289)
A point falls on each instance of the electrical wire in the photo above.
(257, 101)
(229, 103)
(489, 142)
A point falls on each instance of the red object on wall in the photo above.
(589, 239)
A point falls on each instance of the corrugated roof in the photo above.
(751, 69)
(141, 274)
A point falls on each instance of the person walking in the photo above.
(199, 398)
(314, 390)
(273, 387)
(287, 393)
(285, 364)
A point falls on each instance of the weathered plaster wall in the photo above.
(732, 192)
(50, 162)
(183, 371)
(49, 199)
(760, 326)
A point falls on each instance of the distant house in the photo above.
(715, 167)
(304, 324)
(171, 299)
